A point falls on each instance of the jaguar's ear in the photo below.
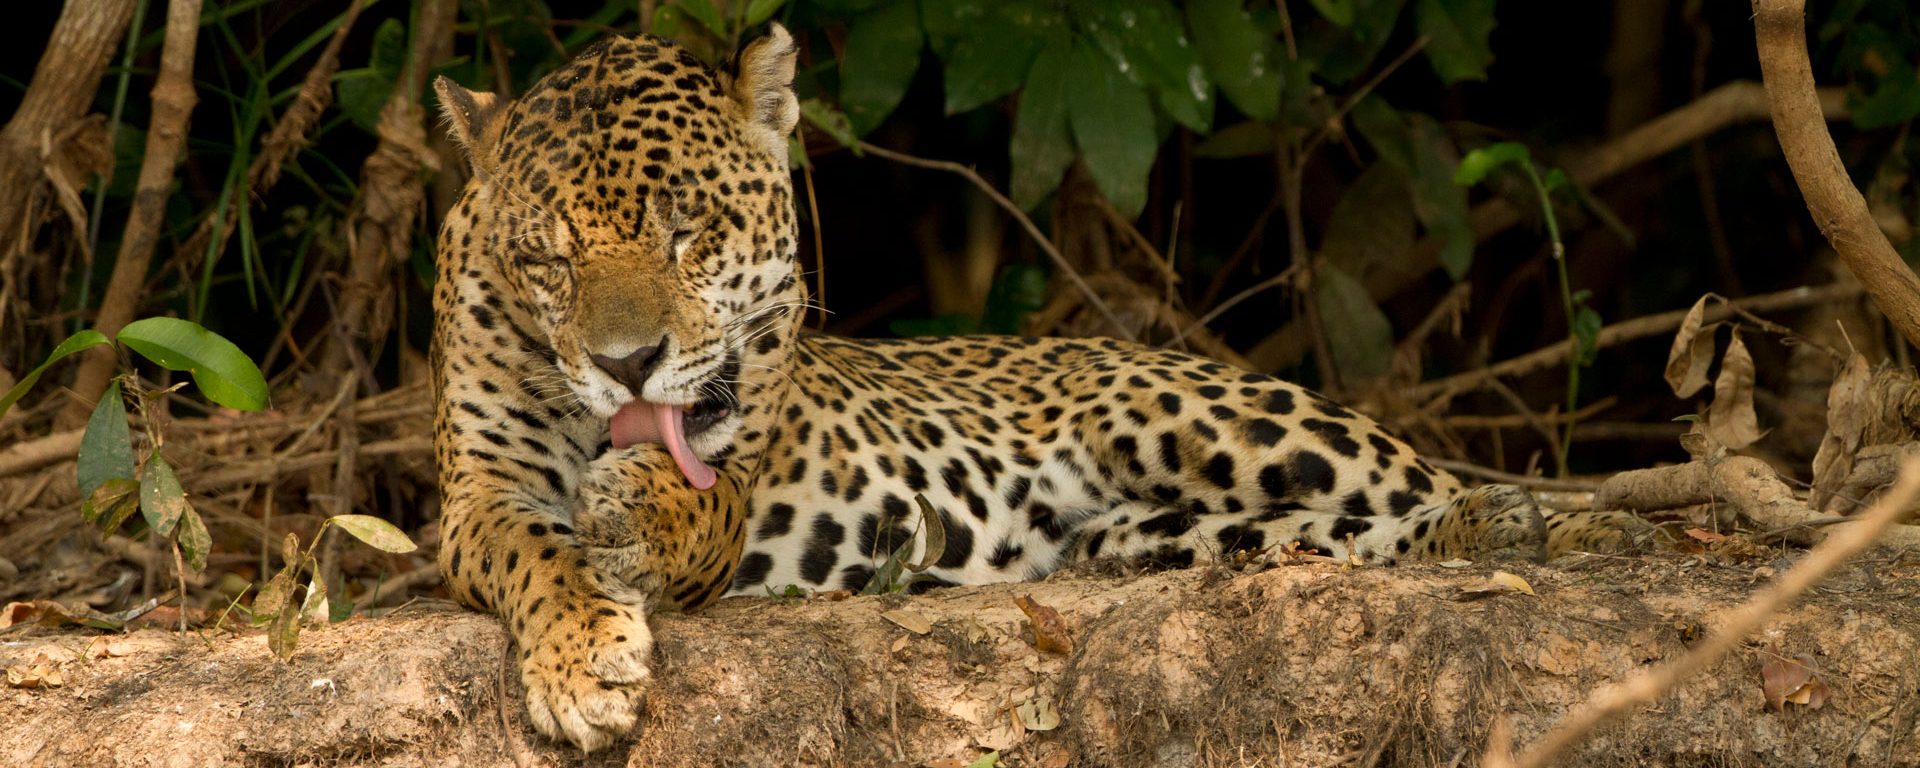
(470, 116)
(763, 86)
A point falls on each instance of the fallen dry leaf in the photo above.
(1792, 680)
(1705, 536)
(1730, 419)
(42, 672)
(948, 762)
(1049, 630)
(108, 647)
(1500, 583)
(1038, 714)
(1058, 759)
(1692, 352)
(1847, 416)
(910, 620)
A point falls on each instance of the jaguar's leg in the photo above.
(1596, 531)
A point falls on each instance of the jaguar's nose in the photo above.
(634, 369)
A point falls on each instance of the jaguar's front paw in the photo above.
(619, 494)
(586, 673)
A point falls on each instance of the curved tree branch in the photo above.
(1837, 205)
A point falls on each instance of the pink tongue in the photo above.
(633, 424)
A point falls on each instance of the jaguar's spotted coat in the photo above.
(629, 234)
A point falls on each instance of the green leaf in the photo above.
(1480, 162)
(882, 52)
(272, 597)
(376, 532)
(1018, 290)
(194, 540)
(1437, 200)
(705, 12)
(1343, 53)
(222, 371)
(1357, 331)
(758, 11)
(111, 503)
(1147, 41)
(833, 122)
(362, 94)
(1340, 12)
(1113, 126)
(1041, 147)
(1555, 180)
(1386, 131)
(1239, 54)
(988, 760)
(389, 49)
(987, 47)
(162, 501)
(283, 637)
(86, 339)
(1586, 335)
(106, 448)
(1372, 226)
(1457, 32)
(1248, 138)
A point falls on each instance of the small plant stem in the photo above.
(180, 572)
(1566, 303)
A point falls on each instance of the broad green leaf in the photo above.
(1148, 42)
(1386, 131)
(111, 503)
(1340, 12)
(823, 116)
(1440, 203)
(162, 501)
(705, 12)
(361, 94)
(1457, 32)
(1018, 290)
(1247, 138)
(376, 532)
(1113, 126)
(389, 49)
(106, 448)
(1555, 180)
(758, 11)
(1372, 226)
(86, 339)
(1239, 55)
(1892, 101)
(1358, 333)
(1480, 162)
(882, 52)
(988, 760)
(987, 47)
(222, 371)
(194, 540)
(1041, 147)
(1343, 53)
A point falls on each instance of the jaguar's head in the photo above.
(639, 202)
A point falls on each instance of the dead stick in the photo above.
(1642, 688)
(1837, 205)
(1743, 481)
(1039, 238)
(1637, 328)
(173, 100)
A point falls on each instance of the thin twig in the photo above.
(1033, 231)
(1285, 276)
(1525, 481)
(1644, 687)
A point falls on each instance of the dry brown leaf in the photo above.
(1500, 583)
(1692, 352)
(1730, 419)
(1847, 418)
(1038, 714)
(1058, 759)
(1796, 680)
(948, 762)
(1705, 536)
(1049, 630)
(910, 620)
(42, 672)
(833, 596)
(108, 647)
(1559, 656)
